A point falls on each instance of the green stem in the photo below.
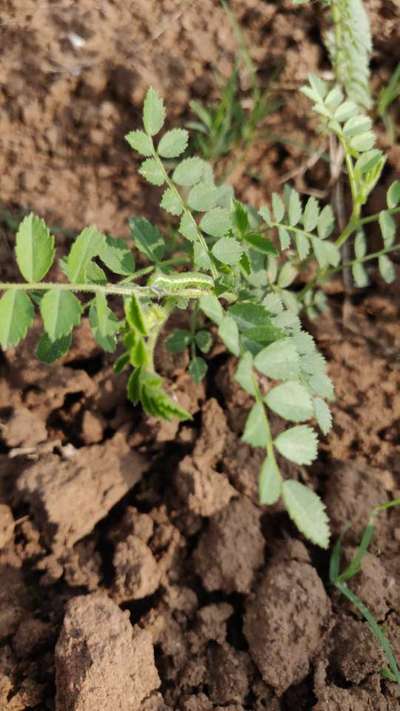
(375, 216)
(270, 441)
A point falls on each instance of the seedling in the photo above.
(245, 271)
(340, 580)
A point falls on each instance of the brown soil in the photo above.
(137, 569)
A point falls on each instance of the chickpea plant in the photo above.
(243, 269)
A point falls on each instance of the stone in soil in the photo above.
(102, 662)
(69, 497)
(285, 621)
(231, 549)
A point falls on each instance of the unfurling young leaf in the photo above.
(34, 248)
(307, 511)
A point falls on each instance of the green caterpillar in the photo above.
(191, 285)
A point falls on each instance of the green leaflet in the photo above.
(171, 202)
(173, 143)
(148, 239)
(152, 171)
(87, 245)
(307, 511)
(216, 222)
(189, 172)
(229, 334)
(116, 256)
(270, 482)
(16, 316)
(228, 251)
(298, 444)
(255, 431)
(60, 311)
(34, 248)
(212, 308)
(153, 112)
(140, 142)
(48, 351)
(198, 369)
(280, 360)
(244, 374)
(291, 401)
